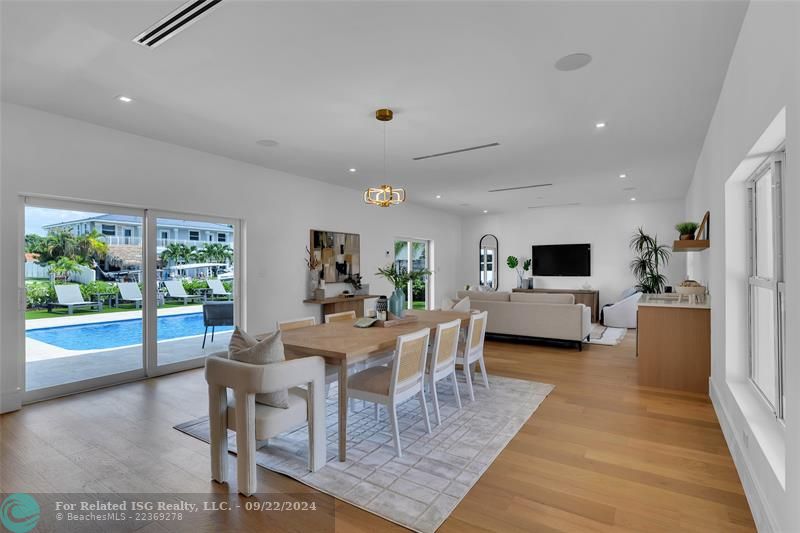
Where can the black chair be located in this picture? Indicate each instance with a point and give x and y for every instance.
(216, 314)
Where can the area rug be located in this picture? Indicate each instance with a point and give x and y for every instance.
(420, 489)
(606, 336)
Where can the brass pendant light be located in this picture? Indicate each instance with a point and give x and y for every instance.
(384, 195)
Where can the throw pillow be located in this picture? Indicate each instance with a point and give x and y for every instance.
(462, 305)
(247, 349)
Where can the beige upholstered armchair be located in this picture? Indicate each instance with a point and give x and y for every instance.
(254, 421)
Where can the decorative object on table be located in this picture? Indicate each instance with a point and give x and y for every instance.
(694, 291)
(586, 286)
(319, 294)
(381, 308)
(392, 320)
(365, 322)
(650, 257)
(358, 287)
(384, 195)
(488, 273)
(347, 294)
(686, 230)
(371, 313)
(339, 254)
(400, 277)
(513, 263)
(314, 266)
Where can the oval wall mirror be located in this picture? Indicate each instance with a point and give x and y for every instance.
(488, 271)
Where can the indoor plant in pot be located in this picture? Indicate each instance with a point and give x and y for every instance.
(650, 257)
(513, 263)
(313, 264)
(687, 230)
(400, 278)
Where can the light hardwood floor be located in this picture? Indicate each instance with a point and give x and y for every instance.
(600, 454)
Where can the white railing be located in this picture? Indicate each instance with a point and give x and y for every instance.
(116, 240)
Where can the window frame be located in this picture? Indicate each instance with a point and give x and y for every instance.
(196, 233)
(113, 230)
(776, 164)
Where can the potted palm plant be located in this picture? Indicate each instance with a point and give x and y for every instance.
(687, 230)
(650, 258)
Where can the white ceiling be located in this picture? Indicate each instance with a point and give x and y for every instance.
(310, 76)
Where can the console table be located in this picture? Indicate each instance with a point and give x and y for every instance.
(340, 304)
(588, 297)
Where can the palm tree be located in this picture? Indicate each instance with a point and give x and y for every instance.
(218, 253)
(59, 243)
(649, 257)
(173, 253)
(90, 246)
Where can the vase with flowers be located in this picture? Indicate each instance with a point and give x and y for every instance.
(313, 263)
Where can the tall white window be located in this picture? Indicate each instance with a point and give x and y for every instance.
(766, 282)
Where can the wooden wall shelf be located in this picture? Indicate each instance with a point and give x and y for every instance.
(701, 238)
(691, 245)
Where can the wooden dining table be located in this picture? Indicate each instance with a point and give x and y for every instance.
(342, 344)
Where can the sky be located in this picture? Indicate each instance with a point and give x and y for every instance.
(36, 217)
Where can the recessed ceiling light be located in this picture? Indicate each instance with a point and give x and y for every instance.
(623, 176)
(352, 169)
(633, 199)
(600, 125)
(126, 99)
(573, 62)
(267, 143)
(438, 196)
(485, 211)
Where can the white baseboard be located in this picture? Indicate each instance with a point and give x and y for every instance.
(10, 401)
(759, 507)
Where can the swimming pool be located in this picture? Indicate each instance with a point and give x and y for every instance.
(103, 335)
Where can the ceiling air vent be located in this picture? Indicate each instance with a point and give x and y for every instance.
(554, 205)
(451, 152)
(523, 187)
(175, 22)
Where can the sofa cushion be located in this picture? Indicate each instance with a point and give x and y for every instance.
(485, 296)
(456, 305)
(542, 298)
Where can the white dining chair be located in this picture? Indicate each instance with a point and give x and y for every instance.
(392, 385)
(255, 421)
(443, 362)
(471, 351)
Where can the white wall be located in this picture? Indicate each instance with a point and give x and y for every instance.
(52, 155)
(608, 228)
(763, 77)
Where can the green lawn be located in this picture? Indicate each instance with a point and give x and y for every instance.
(62, 311)
(418, 305)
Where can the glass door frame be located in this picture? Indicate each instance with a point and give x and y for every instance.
(83, 385)
(429, 264)
(152, 367)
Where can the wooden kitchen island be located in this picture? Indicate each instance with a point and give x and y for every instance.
(674, 343)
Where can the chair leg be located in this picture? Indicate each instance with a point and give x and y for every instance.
(435, 399)
(392, 410)
(218, 426)
(468, 375)
(483, 372)
(246, 442)
(213, 328)
(455, 388)
(424, 407)
(204, 339)
(377, 412)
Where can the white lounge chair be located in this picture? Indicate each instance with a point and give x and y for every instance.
(176, 291)
(218, 289)
(130, 292)
(70, 296)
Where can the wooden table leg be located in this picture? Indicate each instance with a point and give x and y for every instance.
(342, 411)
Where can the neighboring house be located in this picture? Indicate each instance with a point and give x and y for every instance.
(127, 230)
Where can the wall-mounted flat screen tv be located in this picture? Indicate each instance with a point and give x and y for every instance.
(562, 260)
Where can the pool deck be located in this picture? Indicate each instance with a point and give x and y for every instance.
(48, 365)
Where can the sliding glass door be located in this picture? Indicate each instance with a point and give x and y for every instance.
(82, 277)
(195, 287)
(415, 256)
(114, 294)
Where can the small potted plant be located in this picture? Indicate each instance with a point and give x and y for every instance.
(355, 281)
(687, 230)
(400, 278)
(513, 263)
(313, 264)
